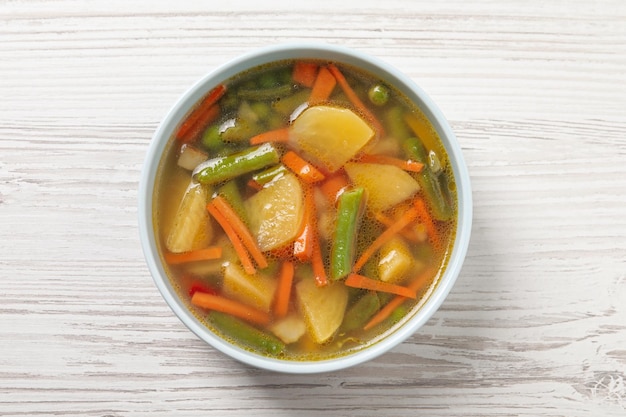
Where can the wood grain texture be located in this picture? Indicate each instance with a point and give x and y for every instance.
(536, 93)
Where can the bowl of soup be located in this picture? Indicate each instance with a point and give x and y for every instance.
(304, 208)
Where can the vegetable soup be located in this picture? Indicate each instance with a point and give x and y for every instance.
(304, 208)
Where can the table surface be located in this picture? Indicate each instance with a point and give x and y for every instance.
(536, 93)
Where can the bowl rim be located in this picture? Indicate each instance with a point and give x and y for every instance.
(313, 50)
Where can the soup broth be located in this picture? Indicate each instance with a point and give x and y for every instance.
(303, 209)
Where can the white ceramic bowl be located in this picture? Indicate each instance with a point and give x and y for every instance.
(314, 51)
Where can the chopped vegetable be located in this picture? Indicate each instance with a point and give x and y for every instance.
(304, 242)
(229, 191)
(243, 332)
(268, 93)
(201, 116)
(198, 286)
(227, 167)
(275, 136)
(417, 233)
(333, 186)
(358, 314)
(232, 307)
(415, 285)
(323, 86)
(398, 129)
(323, 307)
(259, 179)
(427, 220)
(395, 261)
(302, 168)
(442, 209)
(422, 130)
(317, 262)
(363, 282)
(212, 252)
(386, 185)
(190, 157)
(289, 329)
(349, 212)
(191, 229)
(304, 73)
(404, 164)
(330, 136)
(238, 245)
(276, 212)
(283, 290)
(378, 95)
(253, 290)
(241, 229)
(407, 218)
(355, 100)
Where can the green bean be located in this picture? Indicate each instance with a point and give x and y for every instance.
(430, 184)
(270, 93)
(230, 192)
(211, 138)
(398, 314)
(361, 311)
(246, 334)
(349, 213)
(224, 168)
(269, 174)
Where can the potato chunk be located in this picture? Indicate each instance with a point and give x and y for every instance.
(330, 136)
(386, 185)
(395, 261)
(254, 290)
(276, 212)
(192, 228)
(323, 307)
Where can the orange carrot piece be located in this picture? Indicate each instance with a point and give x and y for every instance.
(303, 244)
(302, 168)
(407, 218)
(363, 282)
(323, 86)
(201, 115)
(254, 185)
(304, 73)
(212, 252)
(427, 220)
(407, 165)
(355, 100)
(321, 279)
(241, 229)
(283, 290)
(240, 249)
(333, 186)
(275, 136)
(228, 306)
(388, 221)
(386, 311)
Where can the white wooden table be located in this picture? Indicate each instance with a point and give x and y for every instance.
(536, 92)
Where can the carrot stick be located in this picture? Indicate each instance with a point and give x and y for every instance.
(360, 281)
(254, 185)
(407, 165)
(354, 99)
(240, 249)
(241, 229)
(384, 312)
(302, 168)
(323, 86)
(212, 252)
(228, 306)
(321, 279)
(427, 220)
(201, 115)
(283, 290)
(303, 244)
(275, 136)
(407, 217)
(333, 186)
(409, 234)
(304, 73)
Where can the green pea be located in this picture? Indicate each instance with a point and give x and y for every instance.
(378, 95)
